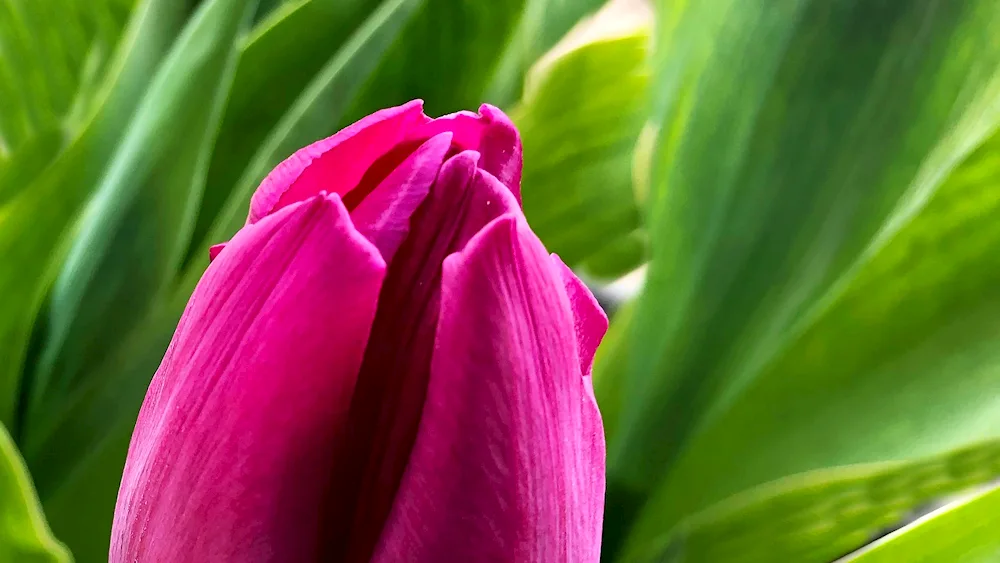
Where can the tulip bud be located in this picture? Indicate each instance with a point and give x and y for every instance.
(384, 364)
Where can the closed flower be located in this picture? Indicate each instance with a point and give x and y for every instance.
(384, 364)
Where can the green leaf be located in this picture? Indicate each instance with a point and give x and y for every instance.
(24, 534)
(768, 183)
(33, 222)
(610, 364)
(280, 57)
(135, 231)
(963, 532)
(900, 363)
(47, 50)
(582, 111)
(542, 24)
(29, 160)
(445, 55)
(820, 515)
(617, 257)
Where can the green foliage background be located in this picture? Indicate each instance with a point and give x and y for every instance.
(811, 189)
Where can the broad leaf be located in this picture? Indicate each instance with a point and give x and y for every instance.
(582, 111)
(768, 182)
(904, 356)
(33, 222)
(963, 532)
(49, 54)
(136, 229)
(542, 24)
(24, 535)
(817, 516)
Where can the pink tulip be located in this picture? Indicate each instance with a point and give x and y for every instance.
(383, 365)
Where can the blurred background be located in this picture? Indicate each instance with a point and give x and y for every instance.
(789, 208)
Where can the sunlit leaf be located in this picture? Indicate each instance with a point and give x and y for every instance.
(49, 51)
(771, 182)
(542, 24)
(583, 108)
(818, 516)
(24, 534)
(904, 357)
(963, 532)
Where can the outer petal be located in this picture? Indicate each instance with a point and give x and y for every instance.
(501, 149)
(234, 446)
(491, 134)
(590, 320)
(508, 464)
(335, 164)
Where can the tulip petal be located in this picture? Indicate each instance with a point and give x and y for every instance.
(335, 164)
(383, 215)
(501, 149)
(590, 320)
(508, 464)
(215, 250)
(241, 425)
(491, 134)
(390, 392)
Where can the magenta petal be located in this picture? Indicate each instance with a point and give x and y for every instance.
(243, 421)
(491, 134)
(383, 216)
(466, 127)
(508, 464)
(215, 250)
(393, 379)
(501, 149)
(591, 322)
(335, 164)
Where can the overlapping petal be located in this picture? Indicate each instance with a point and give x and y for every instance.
(245, 419)
(508, 463)
(395, 371)
(391, 386)
(335, 164)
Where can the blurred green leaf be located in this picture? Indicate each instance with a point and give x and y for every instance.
(820, 515)
(47, 50)
(24, 535)
(788, 139)
(127, 250)
(445, 55)
(610, 364)
(135, 231)
(963, 532)
(543, 23)
(901, 363)
(29, 160)
(617, 257)
(132, 234)
(280, 57)
(582, 111)
(33, 222)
